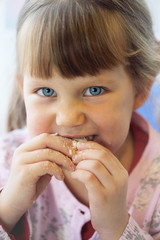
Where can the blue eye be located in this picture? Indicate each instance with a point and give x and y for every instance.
(47, 92)
(94, 91)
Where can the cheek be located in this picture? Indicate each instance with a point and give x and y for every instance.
(114, 125)
(37, 123)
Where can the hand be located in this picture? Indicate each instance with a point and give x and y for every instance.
(106, 182)
(33, 165)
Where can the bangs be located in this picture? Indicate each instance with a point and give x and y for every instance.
(72, 37)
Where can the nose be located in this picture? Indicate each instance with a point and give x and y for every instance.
(70, 115)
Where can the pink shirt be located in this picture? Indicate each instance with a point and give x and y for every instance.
(58, 215)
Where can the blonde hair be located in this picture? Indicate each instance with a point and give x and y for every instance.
(80, 37)
(17, 112)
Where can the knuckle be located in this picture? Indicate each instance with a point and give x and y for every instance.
(102, 154)
(96, 165)
(17, 158)
(52, 168)
(89, 177)
(44, 136)
(47, 164)
(48, 152)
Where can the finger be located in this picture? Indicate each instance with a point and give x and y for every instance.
(44, 140)
(96, 169)
(91, 183)
(40, 169)
(42, 183)
(47, 154)
(109, 161)
(93, 172)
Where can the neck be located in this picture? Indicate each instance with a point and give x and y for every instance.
(125, 154)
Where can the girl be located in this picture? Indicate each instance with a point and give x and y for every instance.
(85, 67)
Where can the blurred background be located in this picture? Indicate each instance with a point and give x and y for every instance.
(9, 10)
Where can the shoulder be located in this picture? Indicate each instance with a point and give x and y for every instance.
(8, 144)
(146, 175)
(13, 138)
(150, 159)
(10, 141)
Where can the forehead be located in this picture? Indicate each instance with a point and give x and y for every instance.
(112, 77)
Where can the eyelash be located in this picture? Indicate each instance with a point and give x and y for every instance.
(53, 93)
(40, 92)
(102, 90)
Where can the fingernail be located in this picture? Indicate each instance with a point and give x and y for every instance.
(80, 145)
(73, 167)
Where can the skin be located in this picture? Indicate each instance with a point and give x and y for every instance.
(99, 168)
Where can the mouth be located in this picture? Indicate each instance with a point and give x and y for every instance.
(73, 149)
(84, 139)
(78, 138)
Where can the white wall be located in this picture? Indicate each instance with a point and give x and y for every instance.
(8, 14)
(154, 6)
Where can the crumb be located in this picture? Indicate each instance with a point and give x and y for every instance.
(73, 150)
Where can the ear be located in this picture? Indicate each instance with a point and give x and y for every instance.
(140, 98)
(19, 80)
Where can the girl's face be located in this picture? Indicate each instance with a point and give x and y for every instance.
(99, 107)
